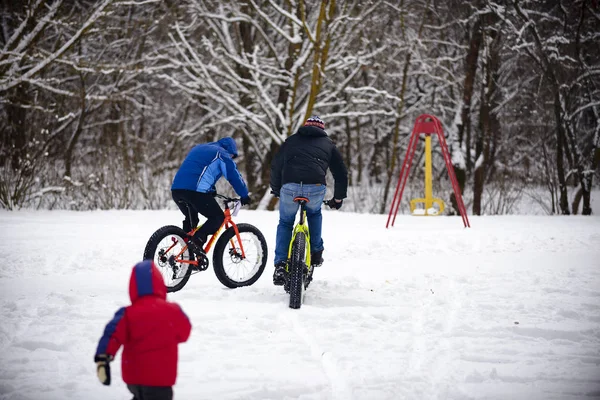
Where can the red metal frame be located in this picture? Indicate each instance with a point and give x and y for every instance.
(426, 124)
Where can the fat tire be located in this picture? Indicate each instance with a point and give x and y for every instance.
(296, 271)
(219, 251)
(155, 239)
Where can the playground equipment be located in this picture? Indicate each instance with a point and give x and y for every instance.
(426, 125)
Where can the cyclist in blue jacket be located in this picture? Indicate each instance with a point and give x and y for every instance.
(193, 187)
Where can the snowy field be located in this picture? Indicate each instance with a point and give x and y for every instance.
(509, 309)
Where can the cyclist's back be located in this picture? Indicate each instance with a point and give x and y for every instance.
(194, 186)
(300, 169)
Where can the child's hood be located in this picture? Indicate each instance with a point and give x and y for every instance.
(146, 280)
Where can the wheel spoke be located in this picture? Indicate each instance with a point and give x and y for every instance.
(240, 269)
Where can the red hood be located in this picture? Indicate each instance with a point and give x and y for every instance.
(146, 280)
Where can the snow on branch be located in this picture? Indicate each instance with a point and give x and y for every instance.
(136, 3)
(9, 83)
(27, 39)
(19, 31)
(264, 94)
(216, 92)
(583, 108)
(294, 39)
(286, 14)
(46, 190)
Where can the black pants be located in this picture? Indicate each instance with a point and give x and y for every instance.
(141, 392)
(191, 204)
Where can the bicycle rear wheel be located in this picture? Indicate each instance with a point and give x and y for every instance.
(231, 267)
(163, 247)
(297, 270)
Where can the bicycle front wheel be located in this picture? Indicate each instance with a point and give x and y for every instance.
(234, 269)
(164, 248)
(297, 268)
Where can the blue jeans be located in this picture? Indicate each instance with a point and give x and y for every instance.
(287, 216)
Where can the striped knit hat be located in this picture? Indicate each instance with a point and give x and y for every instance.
(315, 121)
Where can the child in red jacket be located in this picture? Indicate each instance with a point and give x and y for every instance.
(149, 330)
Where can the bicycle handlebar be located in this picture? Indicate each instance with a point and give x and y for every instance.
(234, 199)
(227, 198)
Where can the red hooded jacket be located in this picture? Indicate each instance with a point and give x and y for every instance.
(149, 330)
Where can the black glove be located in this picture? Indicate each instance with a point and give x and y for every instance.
(103, 368)
(274, 193)
(335, 204)
(213, 193)
(245, 200)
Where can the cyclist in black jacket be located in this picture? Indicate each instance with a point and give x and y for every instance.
(299, 169)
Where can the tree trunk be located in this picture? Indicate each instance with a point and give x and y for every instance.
(360, 153)
(374, 162)
(489, 125)
(480, 156)
(78, 129)
(266, 171)
(576, 201)
(348, 152)
(560, 168)
(587, 179)
(321, 51)
(464, 128)
(550, 177)
(15, 130)
(253, 176)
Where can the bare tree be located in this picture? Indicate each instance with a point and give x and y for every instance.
(101, 100)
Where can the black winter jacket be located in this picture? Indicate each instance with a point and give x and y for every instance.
(305, 157)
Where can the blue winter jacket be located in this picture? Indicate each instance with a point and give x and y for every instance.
(206, 163)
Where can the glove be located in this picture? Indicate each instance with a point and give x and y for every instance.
(103, 368)
(335, 204)
(274, 193)
(245, 200)
(213, 193)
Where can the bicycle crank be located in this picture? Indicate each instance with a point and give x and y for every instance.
(202, 265)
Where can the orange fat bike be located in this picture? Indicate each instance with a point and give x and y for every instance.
(239, 256)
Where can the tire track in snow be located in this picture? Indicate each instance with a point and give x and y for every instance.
(432, 324)
(340, 390)
(440, 379)
(418, 321)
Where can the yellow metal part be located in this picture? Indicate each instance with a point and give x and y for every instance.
(301, 228)
(429, 200)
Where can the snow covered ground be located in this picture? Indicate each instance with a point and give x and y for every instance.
(509, 309)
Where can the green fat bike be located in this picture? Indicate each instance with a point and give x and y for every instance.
(299, 267)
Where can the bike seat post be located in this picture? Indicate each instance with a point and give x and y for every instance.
(302, 201)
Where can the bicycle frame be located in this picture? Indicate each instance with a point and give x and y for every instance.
(301, 226)
(227, 223)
